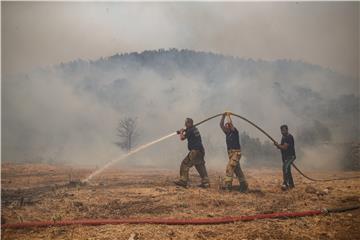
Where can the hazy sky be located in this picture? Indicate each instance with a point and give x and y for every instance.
(38, 34)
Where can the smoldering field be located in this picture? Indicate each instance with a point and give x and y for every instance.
(68, 113)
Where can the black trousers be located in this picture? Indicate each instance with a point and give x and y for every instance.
(287, 176)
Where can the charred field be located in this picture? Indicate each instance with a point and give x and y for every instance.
(40, 192)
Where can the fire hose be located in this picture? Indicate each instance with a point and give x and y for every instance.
(172, 221)
(98, 171)
(274, 141)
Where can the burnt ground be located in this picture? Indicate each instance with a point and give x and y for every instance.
(34, 192)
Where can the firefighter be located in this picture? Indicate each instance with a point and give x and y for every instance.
(234, 153)
(287, 148)
(195, 157)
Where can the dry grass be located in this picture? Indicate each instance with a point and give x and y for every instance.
(38, 192)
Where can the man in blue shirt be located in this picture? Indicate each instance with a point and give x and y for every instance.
(287, 148)
(195, 156)
(234, 153)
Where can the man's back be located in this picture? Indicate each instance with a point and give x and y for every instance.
(194, 139)
(232, 139)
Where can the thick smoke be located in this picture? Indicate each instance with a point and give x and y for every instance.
(69, 113)
(45, 120)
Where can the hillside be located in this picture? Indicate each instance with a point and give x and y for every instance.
(69, 111)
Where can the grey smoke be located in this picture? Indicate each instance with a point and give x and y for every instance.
(69, 113)
(59, 109)
(43, 33)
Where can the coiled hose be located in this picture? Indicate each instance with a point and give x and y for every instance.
(274, 141)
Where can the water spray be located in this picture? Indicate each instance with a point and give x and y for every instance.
(100, 170)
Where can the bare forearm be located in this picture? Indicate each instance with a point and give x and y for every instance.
(282, 146)
(222, 122)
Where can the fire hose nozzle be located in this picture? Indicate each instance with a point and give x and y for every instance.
(180, 131)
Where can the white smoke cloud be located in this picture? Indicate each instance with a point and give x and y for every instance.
(44, 119)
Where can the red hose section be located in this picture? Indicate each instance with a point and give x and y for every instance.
(166, 221)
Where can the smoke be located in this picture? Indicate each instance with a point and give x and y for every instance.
(323, 33)
(69, 113)
(323, 157)
(44, 119)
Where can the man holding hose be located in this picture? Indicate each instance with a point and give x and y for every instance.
(287, 148)
(234, 153)
(195, 157)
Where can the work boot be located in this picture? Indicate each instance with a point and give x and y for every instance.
(181, 183)
(204, 185)
(284, 187)
(228, 187)
(243, 187)
(291, 184)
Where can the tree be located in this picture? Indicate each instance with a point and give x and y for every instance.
(128, 133)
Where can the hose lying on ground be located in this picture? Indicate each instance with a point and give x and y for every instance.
(274, 141)
(171, 221)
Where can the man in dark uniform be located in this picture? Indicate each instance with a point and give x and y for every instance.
(287, 148)
(195, 157)
(234, 153)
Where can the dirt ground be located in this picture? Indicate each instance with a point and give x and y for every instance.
(34, 192)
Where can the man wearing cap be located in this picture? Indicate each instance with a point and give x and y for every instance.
(195, 156)
(234, 153)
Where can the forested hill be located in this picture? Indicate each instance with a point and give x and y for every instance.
(79, 103)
